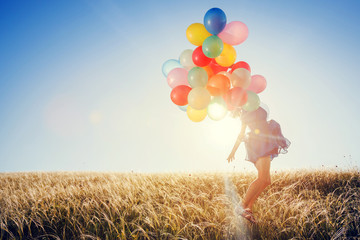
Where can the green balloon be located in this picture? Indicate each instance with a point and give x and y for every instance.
(217, 108)
(212, 46)
(197, 77)
(253, 102)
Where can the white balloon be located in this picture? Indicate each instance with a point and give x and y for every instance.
(186, 59)
(240, 77)
(199, 98)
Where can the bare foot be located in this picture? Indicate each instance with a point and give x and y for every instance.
(248, 215)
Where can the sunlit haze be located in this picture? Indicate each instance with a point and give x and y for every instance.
(82, 87)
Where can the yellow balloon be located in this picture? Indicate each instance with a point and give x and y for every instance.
(199, 98)
(196, 115)
(196, 33)
(227, 56)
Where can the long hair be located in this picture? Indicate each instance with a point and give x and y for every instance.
(238, 111)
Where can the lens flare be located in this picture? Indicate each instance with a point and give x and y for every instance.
(217, 109)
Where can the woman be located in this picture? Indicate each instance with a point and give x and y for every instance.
(264, 142)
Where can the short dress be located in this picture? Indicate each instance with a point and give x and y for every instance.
(265, 137)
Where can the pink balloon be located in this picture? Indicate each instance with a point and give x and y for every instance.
(177, 76)
(234, 33)
(257, 84)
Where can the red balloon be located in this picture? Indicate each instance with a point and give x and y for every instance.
(218, 85)
(240, 64)
(238, 96)
(227, 99)
(199, 57)
(180, 94)
(216, 67)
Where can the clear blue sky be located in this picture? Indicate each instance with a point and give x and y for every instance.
(82, 88)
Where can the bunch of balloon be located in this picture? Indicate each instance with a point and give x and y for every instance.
(206, 81)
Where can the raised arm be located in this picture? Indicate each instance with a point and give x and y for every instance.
(237, 143)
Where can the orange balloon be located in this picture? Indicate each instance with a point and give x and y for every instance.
(209, 71)
(226, 74)
(218, 85)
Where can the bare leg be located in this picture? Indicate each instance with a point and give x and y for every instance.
(252, 191)
(267, 182)
(257, 186)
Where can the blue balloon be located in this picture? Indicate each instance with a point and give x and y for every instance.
(215, 20)
(183, 108)
(170, 65)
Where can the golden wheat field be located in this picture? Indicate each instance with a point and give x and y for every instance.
(306, 204)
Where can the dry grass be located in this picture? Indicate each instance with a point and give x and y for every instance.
(298, 205)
